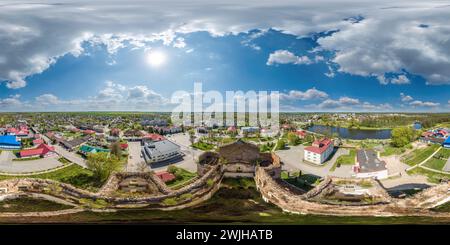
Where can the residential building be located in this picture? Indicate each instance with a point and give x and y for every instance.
(161, 151)
(42, 150)
(368, 165)
(446, 143)
(9, 142)
(319, 151)
(249, 130)
(165, 176)
(86, 149)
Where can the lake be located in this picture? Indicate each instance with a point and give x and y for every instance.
(352, 133)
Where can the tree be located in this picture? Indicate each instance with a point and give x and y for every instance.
(402, 136)
(281, 144)
(102, 164)
(116, 150)
(293, 139)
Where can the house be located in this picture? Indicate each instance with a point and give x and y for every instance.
(42, 150)
(88, 132)
(37, 142)
(123, 146)
(114, 132)
(231, 129)
(133, 135)
(153, 137)
(319, 151)
(300, 133)
(165, 176)
(86, 149)
(9, 142)
(72, 144)
(21, 132)
(267, 132)
(369, 166)
(168, 130)
(160, 151)
(249, 130)
(446, 143)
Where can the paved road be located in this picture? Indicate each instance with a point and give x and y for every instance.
(134, 158)
(293, 161)
(7, 165)
(71, 156)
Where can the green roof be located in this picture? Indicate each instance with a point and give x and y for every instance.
(91, 149)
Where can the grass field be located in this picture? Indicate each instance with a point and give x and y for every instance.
(182, 176)
(431, 176)
(417, 156)
(435, 163)
(345, 159)
(73, 174)
(27, 204)
(390, 150)
(203, 146)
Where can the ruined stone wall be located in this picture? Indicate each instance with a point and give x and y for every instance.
(70, 193)
(289, 201)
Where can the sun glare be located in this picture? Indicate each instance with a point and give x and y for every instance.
(156, 58)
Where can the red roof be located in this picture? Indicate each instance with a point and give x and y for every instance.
(41, 150)
(154, 137)
(319, 146)
(88, 131)
(427, 134)
(300, 133)
(37, 141)
(165, 176)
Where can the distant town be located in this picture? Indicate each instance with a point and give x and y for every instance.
(358, 163)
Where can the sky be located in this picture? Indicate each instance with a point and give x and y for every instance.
(362, 56)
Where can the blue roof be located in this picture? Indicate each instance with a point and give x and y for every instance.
(447, 141)
(9, 140)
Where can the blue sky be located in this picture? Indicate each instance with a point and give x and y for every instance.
(329, 69)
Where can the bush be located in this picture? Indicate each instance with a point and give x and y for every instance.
(170, 202)
(210, 182)
(185, 196)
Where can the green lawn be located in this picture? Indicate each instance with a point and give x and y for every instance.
(302, 181)
(390, 150)
(417, 156)
(345, 160)
(203, 146)
(435, 163)
(73, 174)
(431, 176)
(182, 177)
(27, 204)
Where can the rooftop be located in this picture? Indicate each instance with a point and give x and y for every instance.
(368, 161)
(319, 146)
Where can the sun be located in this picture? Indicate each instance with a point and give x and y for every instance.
(156, 58)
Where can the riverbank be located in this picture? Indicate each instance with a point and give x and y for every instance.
(345, 125)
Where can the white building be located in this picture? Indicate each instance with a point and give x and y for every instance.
(160, 151)
(319, 151)
(369, 166)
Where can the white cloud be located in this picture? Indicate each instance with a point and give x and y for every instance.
(401, 79)
(390, 41)
(286, 57)
(405, 98)
(47, 99)
(33, 36)
(310, 94)
(114, 96)
(418, 103)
